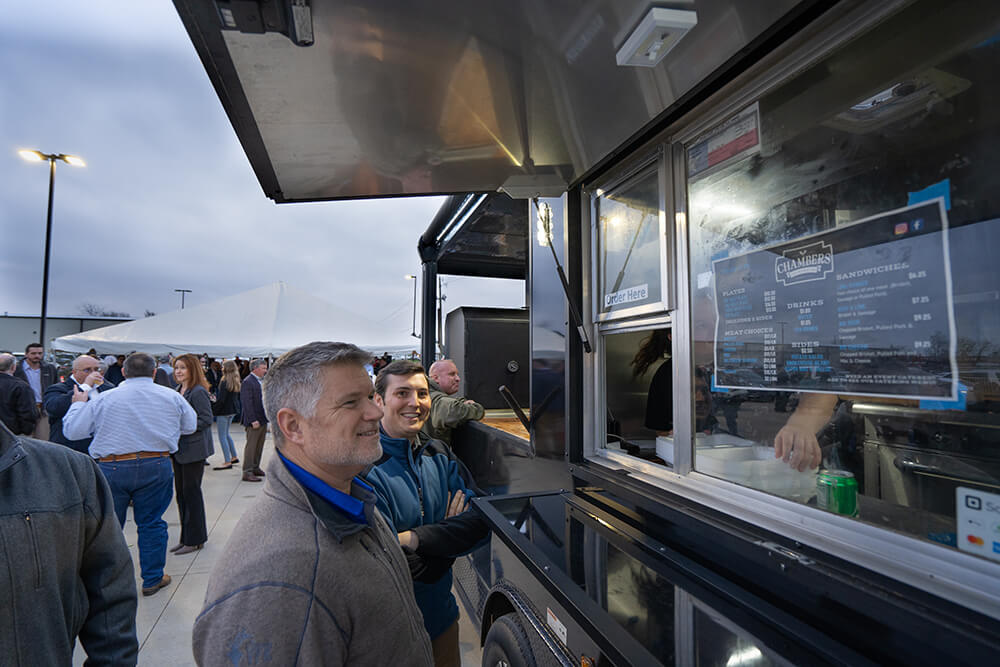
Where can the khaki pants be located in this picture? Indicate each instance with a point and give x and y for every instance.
(445, 648)
(254, 447)
(42, 426)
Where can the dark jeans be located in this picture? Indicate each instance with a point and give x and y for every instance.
(190, 503)
(254, 447)
(146, 483)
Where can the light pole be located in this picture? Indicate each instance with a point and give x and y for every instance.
(414, 331)
(38, 156)
(183, 292)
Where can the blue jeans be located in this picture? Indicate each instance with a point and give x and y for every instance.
(148, 483)
(222, 422)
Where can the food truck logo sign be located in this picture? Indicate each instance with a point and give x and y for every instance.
(803, 264)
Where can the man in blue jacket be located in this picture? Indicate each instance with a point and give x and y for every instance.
(59, 396)
(423, 491)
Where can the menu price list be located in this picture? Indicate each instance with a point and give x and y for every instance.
(861, 309)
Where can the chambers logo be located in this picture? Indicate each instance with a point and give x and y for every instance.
(805, 263)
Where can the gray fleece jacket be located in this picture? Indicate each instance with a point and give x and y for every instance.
(300, 583)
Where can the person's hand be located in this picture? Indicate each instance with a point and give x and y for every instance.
(255, 424)
(79, 395)
(94, 379)
(409, 540)
(798, 447)
(457, 503)
(469, 401)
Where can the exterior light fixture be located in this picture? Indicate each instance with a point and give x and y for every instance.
(658, 32)
(51, 158)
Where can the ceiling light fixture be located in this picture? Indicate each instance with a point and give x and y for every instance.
(658, 32)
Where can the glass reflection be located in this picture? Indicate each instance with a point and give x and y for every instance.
(876, 355)
(629, 246)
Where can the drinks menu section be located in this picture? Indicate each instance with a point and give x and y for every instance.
(861, 309)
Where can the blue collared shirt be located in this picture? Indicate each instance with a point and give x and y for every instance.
(349, 505)
(34, 376)
(135, 416)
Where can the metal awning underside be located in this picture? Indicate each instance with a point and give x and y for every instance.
(396, 97)
(484, 235)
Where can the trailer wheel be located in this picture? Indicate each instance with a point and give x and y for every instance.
(507, 644)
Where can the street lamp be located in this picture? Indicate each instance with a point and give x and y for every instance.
(183, 292)
(414, 279)
(38, 156)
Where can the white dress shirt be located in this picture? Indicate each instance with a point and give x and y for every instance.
(136, 416)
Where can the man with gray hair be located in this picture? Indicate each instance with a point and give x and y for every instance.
(254, 420)
(313, 574)
(17, 401)
(135, 429)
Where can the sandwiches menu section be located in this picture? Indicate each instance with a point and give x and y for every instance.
(865, 308)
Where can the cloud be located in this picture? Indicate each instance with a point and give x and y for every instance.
(168, 199)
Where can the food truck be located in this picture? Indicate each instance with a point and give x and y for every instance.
(750, 411)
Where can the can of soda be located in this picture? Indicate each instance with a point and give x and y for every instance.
(837, 491)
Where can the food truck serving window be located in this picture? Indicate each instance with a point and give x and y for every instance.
(844, 287)
(631, 246)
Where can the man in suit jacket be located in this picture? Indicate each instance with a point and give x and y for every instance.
(17, 402)
(39, 375)
(59, 396)
(254, 420)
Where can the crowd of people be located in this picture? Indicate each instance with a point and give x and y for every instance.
(364, 511)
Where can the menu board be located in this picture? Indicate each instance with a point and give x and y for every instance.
(861, 309)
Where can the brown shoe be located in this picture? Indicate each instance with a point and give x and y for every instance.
(250, 477)
(177, 547)
(163, 583)
(188, 549)
(259, 472)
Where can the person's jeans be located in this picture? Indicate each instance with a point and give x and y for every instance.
(148, 484)
(228, 448)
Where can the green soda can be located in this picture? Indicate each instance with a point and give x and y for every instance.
(837, 491)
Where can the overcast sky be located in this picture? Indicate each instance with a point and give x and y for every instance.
(168, 199)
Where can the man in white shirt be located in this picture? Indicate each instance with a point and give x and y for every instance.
(135, 428)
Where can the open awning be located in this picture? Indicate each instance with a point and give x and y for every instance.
(338, 99)
(484, 235)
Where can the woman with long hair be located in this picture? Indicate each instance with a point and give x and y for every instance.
(660, 397)
(192, 450)
(227, 404)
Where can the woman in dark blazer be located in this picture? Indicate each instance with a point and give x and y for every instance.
(192, 450)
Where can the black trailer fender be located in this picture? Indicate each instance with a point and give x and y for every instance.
(505, 599)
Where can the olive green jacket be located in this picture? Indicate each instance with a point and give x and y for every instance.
(448, 412)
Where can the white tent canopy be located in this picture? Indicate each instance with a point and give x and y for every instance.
(265, 321)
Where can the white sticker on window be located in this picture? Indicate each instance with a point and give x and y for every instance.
(556, 625)
(627, 295)
(704, 279)
(978, 518)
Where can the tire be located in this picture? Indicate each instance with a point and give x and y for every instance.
(507, 644)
